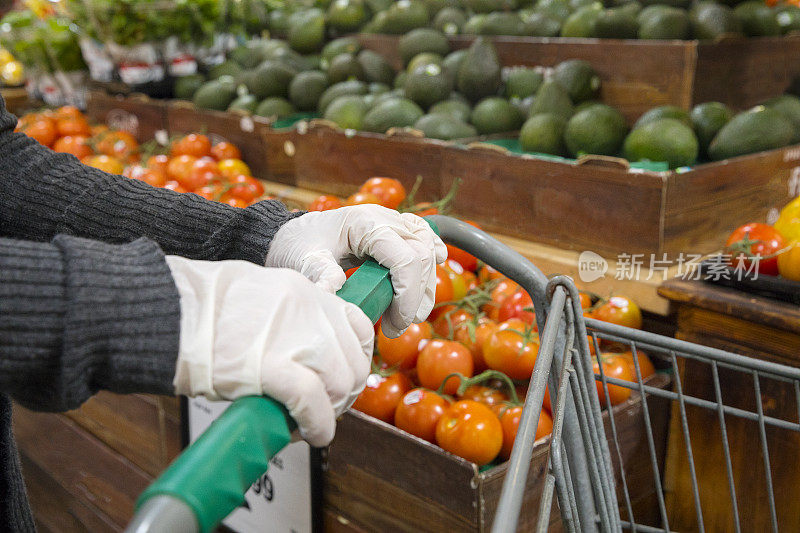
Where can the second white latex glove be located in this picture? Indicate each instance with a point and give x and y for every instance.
(322, 244)
(250, 330)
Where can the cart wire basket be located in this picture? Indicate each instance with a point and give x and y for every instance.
(586, 470)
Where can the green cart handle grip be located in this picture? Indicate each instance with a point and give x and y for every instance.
(212, 475)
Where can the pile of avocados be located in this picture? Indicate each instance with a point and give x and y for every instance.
(614, 19)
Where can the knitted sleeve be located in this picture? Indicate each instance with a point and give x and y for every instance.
(77, 316)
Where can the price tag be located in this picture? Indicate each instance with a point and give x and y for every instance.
(281, 499)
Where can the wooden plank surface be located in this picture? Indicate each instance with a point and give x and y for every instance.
(550, 259)
(88, 473)
(139, 115)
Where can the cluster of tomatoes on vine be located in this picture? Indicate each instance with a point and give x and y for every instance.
(190, 163)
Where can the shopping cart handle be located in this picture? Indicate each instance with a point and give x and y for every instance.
(212, 475)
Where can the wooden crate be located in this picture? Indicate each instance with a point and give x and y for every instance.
(382, 479)
(334, 161)
(639, 74)
(600, 204)
(139, 115)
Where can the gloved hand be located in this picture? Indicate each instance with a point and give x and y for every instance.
(250, 330)
(322, 244)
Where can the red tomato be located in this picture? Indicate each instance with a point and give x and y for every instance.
(620, 311)
(246, 188)
(512, 353)
(446, 323)
(382, 394)
(72, 126)
(752, 240)
(586, 300)
(456, 273)
(361, 198)
(180, 168)
(75, 145)
(43, 131)
(489, 396)
(504, 288)
(470, 430)
(424, 209)
(149, 176)
(390, 191)
(158, 162)
(517, 306)
(225, 150)
(106, 163)
(324, 203)
(403, 351)
(230, 168)
(193, 144)
(444, 291)
(470, 279)
(210, 192)
(487, 273)
(440, 358)
(119, 144)
(68, 111)
(468, 261)
(510, 422)
(546, 403)
(474, 343)
(235, 202)
(646, 367)
(349, 272)
(203, 172)
(419, 411)
(618, 367)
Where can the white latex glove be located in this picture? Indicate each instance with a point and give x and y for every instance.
(322, 244)
(250, 330)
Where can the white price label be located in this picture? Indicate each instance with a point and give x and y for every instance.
(280, 500)
(794, 183)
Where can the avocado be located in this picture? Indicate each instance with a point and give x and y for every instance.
(307, 31)
(347, 15)
(583, 22)
(344, 67)
(552, 98)
(216, 94)
(246, 103)
(276, 107)
(186, 86)
(539, 25)
(707, 119)
(427, 85)
(788, 18)
(480, 73)
(501, 23)
(474, 25)
(578, 78)
(756, 130)
(404, 16)
(422, 40)
(445, 127)
(789, 106)
(392, 113)
(524, 105)
(649, 11)
(378, 88)
(271, 78)
(226, 68)
(452, 62)
(665, 139)
(342, 45)
(488, 6)
(248, 55)
(758, 19)
(425, 58)
(664, 111)
(683, 4)
(435, 6)
(455, 108)
(375, 67)
(377, 24)
(278, 23)
(495, 115)
(544, 134)
(616, 23)
(287, 57)
(347, 111)
(306, 89)
(400, 80)
(577, 4)
(377, 6)
(634, 8)
(340, 89)
(522, 82)
(450, 20)
(555, 9)
(710, 20)
(380, 98)
(667, 24)
(597, 129)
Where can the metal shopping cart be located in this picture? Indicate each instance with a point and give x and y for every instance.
(586, 471)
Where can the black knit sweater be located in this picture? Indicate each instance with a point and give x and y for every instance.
(87, 301)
